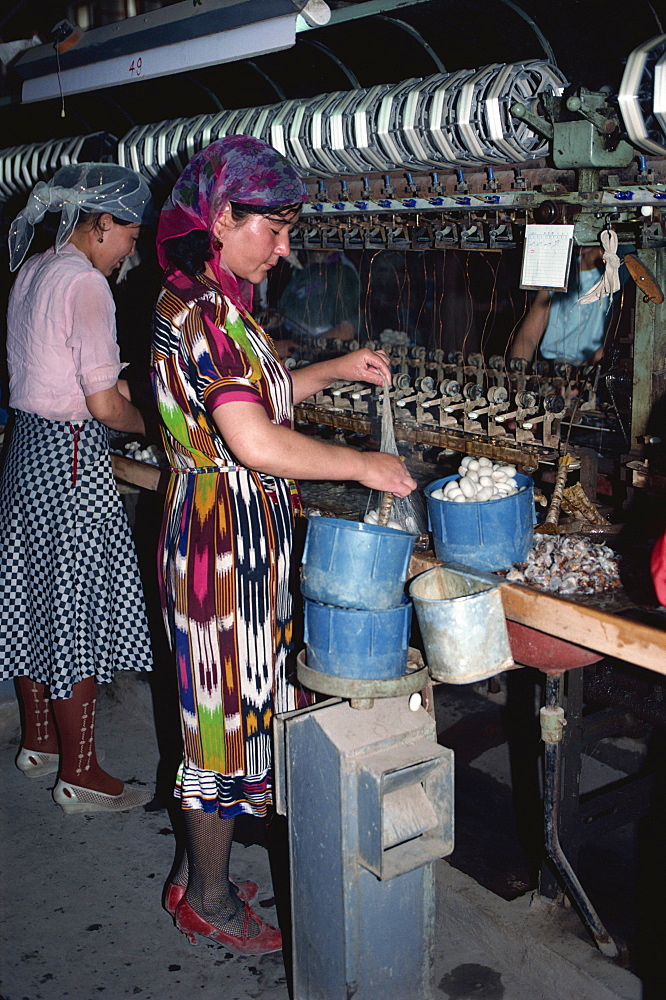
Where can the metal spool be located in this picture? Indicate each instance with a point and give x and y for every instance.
(642, 96)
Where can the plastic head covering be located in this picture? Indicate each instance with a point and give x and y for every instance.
(87, 187)
(237, 168)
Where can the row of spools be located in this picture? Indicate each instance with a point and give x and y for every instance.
(453, 119)
(358, 618)
(448, 119)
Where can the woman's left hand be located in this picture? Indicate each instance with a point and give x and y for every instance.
(363, 366)
(356, 366)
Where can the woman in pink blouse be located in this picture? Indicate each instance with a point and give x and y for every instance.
(71, 604)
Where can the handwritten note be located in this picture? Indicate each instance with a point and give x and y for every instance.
(546, 257)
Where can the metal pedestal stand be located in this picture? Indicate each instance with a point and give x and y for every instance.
(369, 801)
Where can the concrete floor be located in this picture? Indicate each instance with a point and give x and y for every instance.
(81, 912)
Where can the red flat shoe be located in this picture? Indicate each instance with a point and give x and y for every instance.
(263, 941)
(174, 892)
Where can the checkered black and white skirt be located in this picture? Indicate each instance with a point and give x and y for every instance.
(71, 602)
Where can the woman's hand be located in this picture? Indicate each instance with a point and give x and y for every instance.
(260, 444)
(362, 366)
(356, 366)
(387, 474)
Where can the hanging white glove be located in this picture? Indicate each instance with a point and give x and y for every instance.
(609, 282)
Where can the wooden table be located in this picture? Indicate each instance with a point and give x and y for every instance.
(573, 621)
(563, 617)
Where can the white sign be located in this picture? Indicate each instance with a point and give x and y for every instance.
(546, 257)
(244, 42)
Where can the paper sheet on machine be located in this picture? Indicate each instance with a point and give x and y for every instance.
(546, 257)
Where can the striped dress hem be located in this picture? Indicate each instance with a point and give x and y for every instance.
(211, 792)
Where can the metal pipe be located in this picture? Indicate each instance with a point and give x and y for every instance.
(545, 44)
(411, 30)
(351, 76)
(552, 723)
(269, 79)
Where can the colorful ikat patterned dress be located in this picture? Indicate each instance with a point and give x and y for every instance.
(225, 548)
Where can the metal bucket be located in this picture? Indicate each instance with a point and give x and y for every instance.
(354, 565)
(462, 625)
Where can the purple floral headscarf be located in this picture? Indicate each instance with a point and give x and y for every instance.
(237, 168)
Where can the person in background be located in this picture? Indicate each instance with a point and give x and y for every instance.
(71, 603)
(226, 402)
(560, 327)
(321, 299)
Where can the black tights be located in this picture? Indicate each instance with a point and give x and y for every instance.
(205, 870)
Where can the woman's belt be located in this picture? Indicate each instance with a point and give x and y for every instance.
(205, 469)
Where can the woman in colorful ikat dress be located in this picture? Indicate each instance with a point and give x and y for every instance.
(227, 403)
(71, 603)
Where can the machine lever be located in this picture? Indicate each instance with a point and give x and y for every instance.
(644, 279)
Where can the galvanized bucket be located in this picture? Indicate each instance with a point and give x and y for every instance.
(462, 625)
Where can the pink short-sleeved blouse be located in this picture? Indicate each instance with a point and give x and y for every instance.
(61, 336)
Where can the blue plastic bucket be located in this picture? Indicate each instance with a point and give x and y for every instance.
(348, 642)
(355, 565)
(489, 534)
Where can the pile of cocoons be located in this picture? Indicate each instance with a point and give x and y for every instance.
(152, 455)
(372, 517)
(480, 479)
